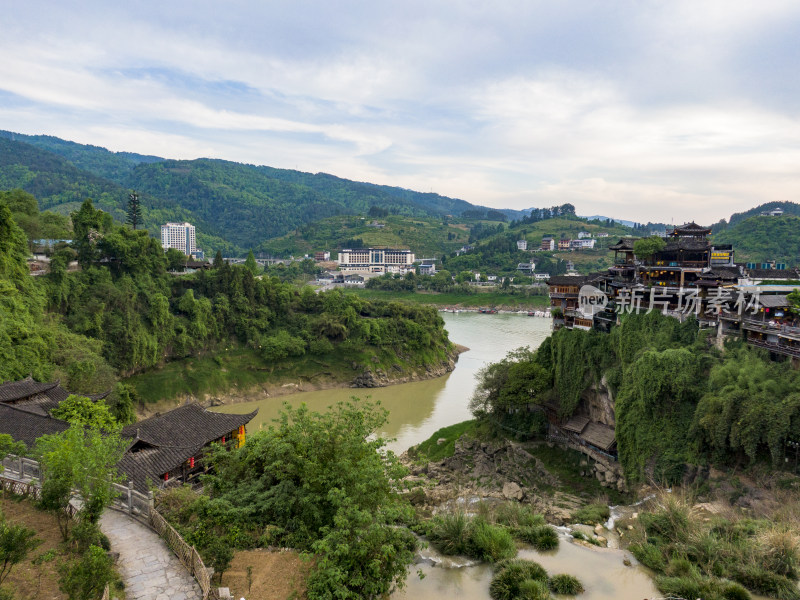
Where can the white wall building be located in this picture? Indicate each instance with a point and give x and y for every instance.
(522, 244)
(180, 236)
(375, 260)
(585, 244)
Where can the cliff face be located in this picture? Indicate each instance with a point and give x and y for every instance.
(597, 403)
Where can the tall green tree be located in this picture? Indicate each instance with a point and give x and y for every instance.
(134, 216)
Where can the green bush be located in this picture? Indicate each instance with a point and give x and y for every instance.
(566, 584)
(532, 589)
(514, 514)
(449, 533)
(591, 514)
(511, 574)
(490, 542)
(86, 577)
(541, 537)
(648, 555)
(758, 579)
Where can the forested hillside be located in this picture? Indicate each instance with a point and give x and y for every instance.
(677, 399)
(234, 206)
(122, 312)
(762, 239)
(427, 236)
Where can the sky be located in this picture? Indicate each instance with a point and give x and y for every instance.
(663, 111)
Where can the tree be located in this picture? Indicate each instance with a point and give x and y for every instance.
(324, 483)
(79, 461)
(646, 248)
(218, 262)
(134, 218)
(84, 411)
(176, 260)
(16, 541)
(250, 263)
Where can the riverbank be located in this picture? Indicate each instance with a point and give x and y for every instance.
(506, 301)
(239, 375)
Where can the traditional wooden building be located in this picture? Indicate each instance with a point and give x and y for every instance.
(171, 447)
(36, 397)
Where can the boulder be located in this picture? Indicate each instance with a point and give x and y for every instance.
(441, 441)
(512, 491)
(598, 529)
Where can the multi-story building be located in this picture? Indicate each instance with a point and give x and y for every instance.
(548, 243)
(564, 244)
(522, 244)
(582, 244)
(179, 236)
(376, 260)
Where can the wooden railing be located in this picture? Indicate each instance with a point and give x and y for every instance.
(187, 554)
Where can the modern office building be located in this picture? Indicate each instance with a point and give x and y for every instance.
(180, 236)
(375, 260)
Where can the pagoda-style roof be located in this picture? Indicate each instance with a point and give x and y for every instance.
(577, 424)
(624, 244)
(691, 229)
(165, 442)
(722, 274)
(12, 391)
(770, 274)
(25, 426)
(571, 280)
(37, 397)
(777, 301)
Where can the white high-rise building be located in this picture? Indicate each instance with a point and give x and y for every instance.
(179, 236)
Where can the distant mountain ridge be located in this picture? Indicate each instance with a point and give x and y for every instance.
(236, 206)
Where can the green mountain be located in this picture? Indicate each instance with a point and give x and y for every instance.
(789, 208)
(60, 186)
(426, 236)
(234, 206)
(762, 239)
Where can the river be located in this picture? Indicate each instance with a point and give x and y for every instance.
(417, 410)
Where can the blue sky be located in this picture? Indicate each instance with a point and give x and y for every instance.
(645, 110)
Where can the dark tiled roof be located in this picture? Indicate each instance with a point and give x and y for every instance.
(37, 397)
(624, 244)
(187, 425)
(165, 442)
(576, 280)
(25, 426)
(17, 390)
(779, 301)
(722, 273)
(774, 273)
(692, 229)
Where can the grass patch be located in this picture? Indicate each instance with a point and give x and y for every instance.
(511, 579)
(585, 538)
(431, 450)
(569, 585)
(591, 514)
(471, 536)
(701, 558)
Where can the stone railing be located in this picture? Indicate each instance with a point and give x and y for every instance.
(136, 504)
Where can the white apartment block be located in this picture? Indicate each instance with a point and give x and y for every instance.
(180, 236)
(522, 244)
(375, 260)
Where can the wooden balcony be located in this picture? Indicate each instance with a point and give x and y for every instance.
(777, 348)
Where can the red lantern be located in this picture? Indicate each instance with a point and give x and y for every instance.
(166, 476)
(191, 462)
(223, 439)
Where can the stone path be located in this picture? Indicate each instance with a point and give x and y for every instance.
(148, 567)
